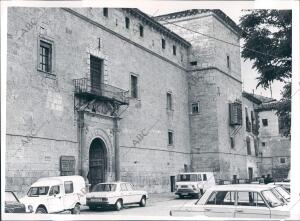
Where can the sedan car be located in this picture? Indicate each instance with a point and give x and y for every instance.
(237, 201)
(115, 194)
(12, 203)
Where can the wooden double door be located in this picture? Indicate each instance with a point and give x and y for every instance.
(97, 162)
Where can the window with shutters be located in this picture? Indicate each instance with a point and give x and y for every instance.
(235, 112)
(256, 147)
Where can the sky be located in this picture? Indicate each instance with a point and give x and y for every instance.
(234, 11)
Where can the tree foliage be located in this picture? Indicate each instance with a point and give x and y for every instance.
(268, 43)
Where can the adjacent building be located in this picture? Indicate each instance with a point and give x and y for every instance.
(113, 94)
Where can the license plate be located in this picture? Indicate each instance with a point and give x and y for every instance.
(184, 194)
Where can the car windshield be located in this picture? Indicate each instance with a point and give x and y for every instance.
(283, 192)
(104, 187)
(187, 177)
(10, 197)
(37, 191)
(271, 198)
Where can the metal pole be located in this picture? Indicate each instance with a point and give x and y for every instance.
(117, 148)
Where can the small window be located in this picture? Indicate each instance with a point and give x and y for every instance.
(123, 187)
(195, 108)
(174, 49)
(105, 12)
(193, 63)
(232, 142)
(141, 30)
(265, 122)
(170, 138)
(199, 177)
(282, 160)
(163, 43)
(204, 177)
(134, 86)
(69, 187)
(127, 22)
(45, 57)
(169, 101)
(228, 61)
(54, 190)
(263, 144)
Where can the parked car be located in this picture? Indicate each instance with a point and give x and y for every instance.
(12, 203)
(237, 201)
(193, 184)
(56, 194)
(115, 194)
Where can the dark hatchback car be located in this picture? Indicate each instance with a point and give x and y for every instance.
(12, 204)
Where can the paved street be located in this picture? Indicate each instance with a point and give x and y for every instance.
(157, 205)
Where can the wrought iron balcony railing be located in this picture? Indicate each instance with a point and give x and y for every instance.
(84, 86)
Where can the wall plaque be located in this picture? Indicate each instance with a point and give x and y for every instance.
(67, 165)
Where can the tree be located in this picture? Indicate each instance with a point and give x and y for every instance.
(267, 36)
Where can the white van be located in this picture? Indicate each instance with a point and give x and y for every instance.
(194, 183)
(56, 194)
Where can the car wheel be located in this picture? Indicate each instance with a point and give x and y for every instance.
(118, 205)
(41, 210)
(143, 202)
(76, 209)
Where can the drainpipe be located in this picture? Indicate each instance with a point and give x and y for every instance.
(80, 141)
(117, 148)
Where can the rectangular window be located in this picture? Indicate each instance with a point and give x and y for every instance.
(248, 123)
(170, 138)
(193, 63)
(204, 177)
(248, 146)
(54, 190)
(174, 50)
(163, 43)
(263, 144)
(256, 147)
(250, 199)
(169, 101)
(134, 86)
(228, 61)
(127, 22)
(282, 160)
(195, 108)
(265, 122)
(105, 12)
(232, 142)
(69, 187)
(141, 30)
(45, 58)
